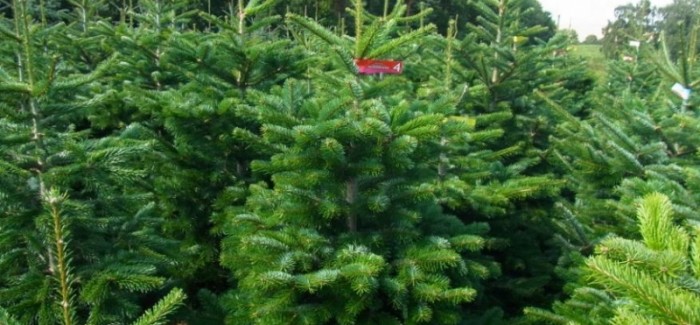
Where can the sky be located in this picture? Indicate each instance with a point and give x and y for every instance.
(587, 17)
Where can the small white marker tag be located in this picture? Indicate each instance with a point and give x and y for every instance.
(681, 91)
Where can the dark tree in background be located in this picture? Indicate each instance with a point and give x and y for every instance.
(645, 23)
(677, 22)
(633, 22)
(591, 39)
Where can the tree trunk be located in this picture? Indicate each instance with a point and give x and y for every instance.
(339, 6)
(350, 198)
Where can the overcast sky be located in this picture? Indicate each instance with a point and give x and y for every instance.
(587, 16)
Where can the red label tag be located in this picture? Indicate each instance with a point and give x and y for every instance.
(367, 66)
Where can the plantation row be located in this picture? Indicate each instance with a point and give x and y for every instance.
(161, 163)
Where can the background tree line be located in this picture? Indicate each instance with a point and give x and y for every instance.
(642, 22)
(327, 12)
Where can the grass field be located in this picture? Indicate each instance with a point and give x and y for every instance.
(593, 55)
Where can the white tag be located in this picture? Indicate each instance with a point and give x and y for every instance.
(635, 44)
(681, 91)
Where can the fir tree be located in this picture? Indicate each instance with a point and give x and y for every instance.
(632, 145)
(348, 230)
(183, 72)
(78, 238)
(503, 178)
(647, 281)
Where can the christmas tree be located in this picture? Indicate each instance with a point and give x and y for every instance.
(504, 178)
(79, 238)
(634, 143)
(649, 281)
(348, 229)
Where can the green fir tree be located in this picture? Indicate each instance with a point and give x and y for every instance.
(183, 73)
(649, 281)
(79, 239)
(633, 144)
(348, 229)
(504, 178)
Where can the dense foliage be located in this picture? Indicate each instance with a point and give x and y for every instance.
(224, 162)
(640, 21)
